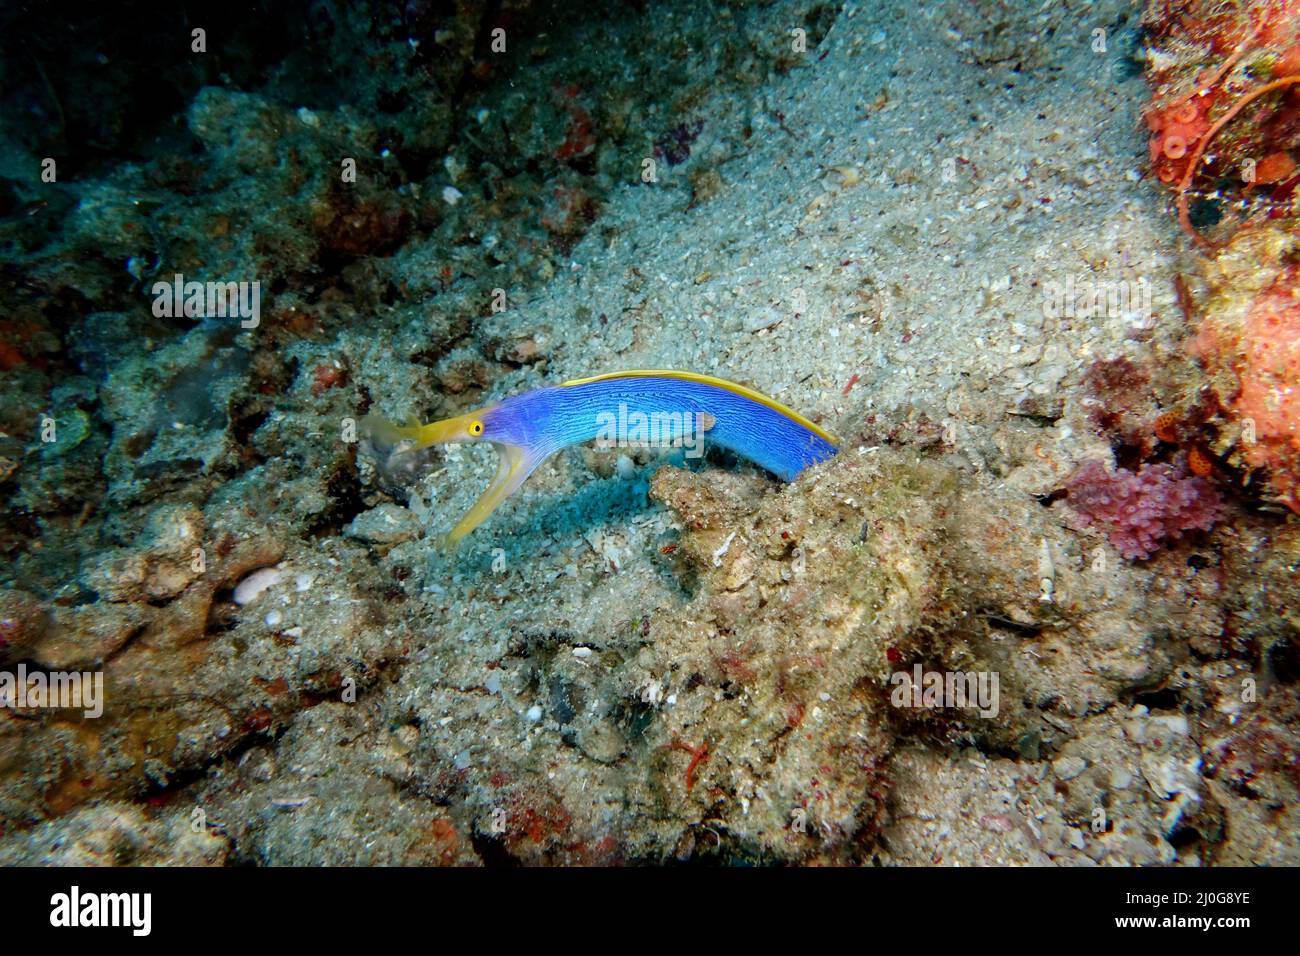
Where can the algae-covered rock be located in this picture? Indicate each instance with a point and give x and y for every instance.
(356, 807)
(386, 524)
(1251, 752)
(170, 414)
(118, 834)
(168, 557)
(24, 621)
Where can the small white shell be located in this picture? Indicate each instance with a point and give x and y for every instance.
(248, 589)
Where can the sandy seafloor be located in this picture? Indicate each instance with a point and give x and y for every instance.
(667, 666)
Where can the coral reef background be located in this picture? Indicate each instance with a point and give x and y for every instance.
(1004, 250)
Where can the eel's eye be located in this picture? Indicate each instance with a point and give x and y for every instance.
(476, 428)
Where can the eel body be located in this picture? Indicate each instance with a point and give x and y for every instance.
(655, 407)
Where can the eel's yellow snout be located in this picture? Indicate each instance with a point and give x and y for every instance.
(394, 442)
(460, 428)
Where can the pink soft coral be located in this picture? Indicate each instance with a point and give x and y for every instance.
(1140, 511)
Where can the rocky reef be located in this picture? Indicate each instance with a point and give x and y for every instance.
(1040, 607)
(1224, 119)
